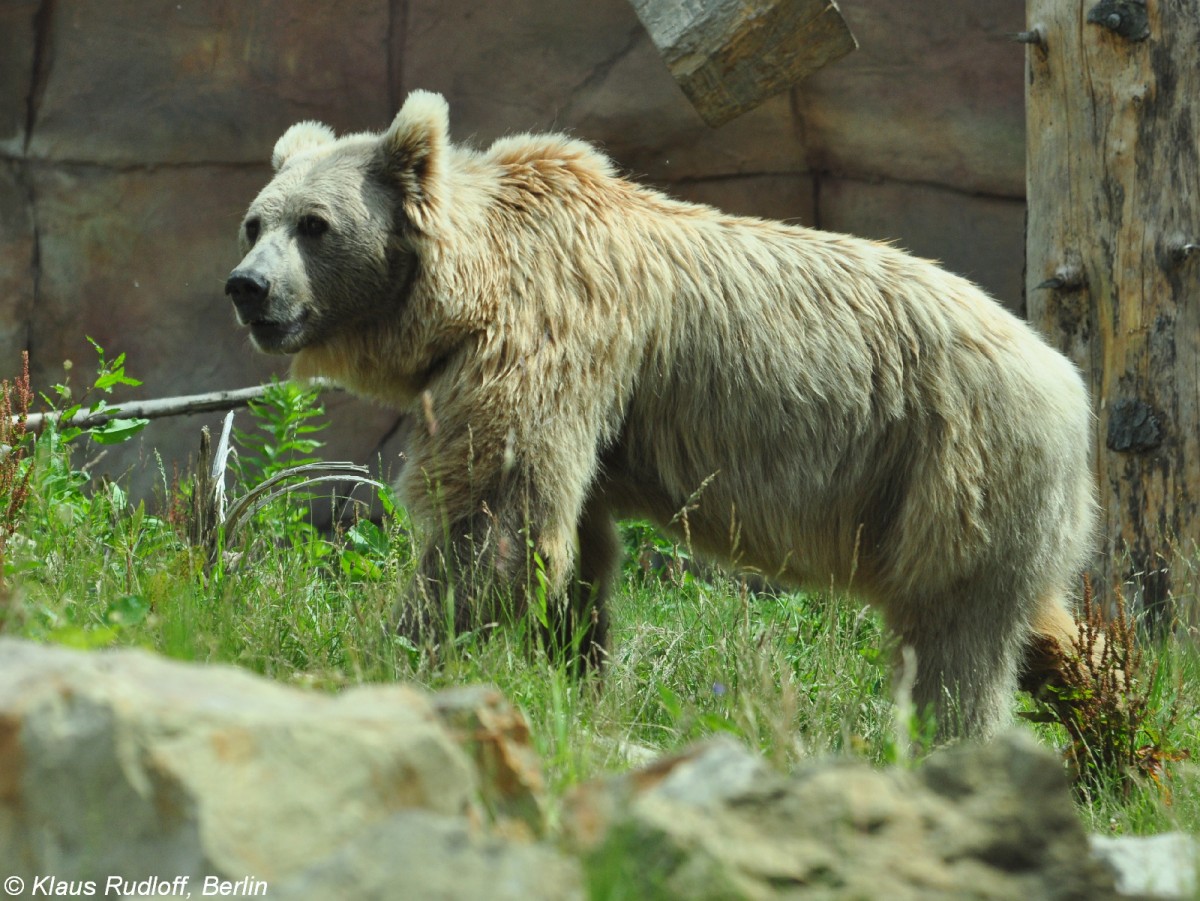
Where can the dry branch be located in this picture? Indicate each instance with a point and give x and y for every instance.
(213, 401)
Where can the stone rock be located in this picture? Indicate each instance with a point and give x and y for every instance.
(788, 197)
(701, 776)
(1156, 866)
(158, 246)
(416, 854)
(991, 822)
(125, 763)
(547, 50)
(496, 737)
(728, 59)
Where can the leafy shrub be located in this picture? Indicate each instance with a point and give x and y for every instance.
(1104, 695)
(64, 523)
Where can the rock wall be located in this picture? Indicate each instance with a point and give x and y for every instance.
(133, 135)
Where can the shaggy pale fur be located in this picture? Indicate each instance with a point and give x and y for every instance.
(578, 347)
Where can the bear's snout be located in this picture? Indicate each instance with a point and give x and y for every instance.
(248, 291)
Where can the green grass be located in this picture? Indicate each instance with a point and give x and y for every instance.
(795, 675)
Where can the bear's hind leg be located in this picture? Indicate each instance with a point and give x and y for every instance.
(966, 658)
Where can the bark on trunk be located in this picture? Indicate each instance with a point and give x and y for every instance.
(1113, 260)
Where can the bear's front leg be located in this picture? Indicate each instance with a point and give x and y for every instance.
(468, 578)
(494, 568)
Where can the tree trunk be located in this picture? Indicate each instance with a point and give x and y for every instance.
(1113, 261)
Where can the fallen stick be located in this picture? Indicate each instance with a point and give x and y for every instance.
(214, 401)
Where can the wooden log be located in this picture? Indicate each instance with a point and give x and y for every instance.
(1113, 259)
(731, 55)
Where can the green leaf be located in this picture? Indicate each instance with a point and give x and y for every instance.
(99, 349)
(367, 538)
(670, 702)
(359, 566)
(106, 381)
(117, 431)
(20, 567)
(714, 722)
(538, 605)
(118, 497)
(127, 610)
(386, 500)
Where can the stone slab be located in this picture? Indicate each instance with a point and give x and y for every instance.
(991, 821)
(154, 122)
(422, 855)
(1155, 866)
(134, 83)
(18, 48)
(18, 249)
(935, 93)
(728, 58)
(788, 197)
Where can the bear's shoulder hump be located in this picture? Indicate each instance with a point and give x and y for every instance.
(557, 150)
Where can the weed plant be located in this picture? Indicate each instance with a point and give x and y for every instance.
(693, 651)
(15, 472)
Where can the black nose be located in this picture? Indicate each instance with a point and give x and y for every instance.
(248, 291)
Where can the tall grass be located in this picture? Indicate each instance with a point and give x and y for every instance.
(693, 652)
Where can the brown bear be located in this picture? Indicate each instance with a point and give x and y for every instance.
(578, 347)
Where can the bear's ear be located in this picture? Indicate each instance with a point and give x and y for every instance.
(300, 137)
(413, 154)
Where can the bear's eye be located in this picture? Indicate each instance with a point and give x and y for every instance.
(252, 228)
(312, 226)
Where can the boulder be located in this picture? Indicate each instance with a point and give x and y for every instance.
(981, 238)
(133, 136)
(18, 48)
(989, 822)
(590, 69)
(1157, 866)
(496, 737)
(125, 763)
(106, 234)
(422, 855)
(935, 94)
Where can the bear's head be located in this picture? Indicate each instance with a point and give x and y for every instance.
(329, 245)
